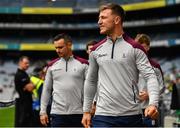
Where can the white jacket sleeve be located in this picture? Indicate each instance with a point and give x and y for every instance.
(90, 86)
(160, 80)
(47, 91)
(149, 75)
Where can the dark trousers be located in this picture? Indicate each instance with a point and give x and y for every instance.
(148, 122)
(117, 121)
(36, 119)
(23, 114)
(73, 120)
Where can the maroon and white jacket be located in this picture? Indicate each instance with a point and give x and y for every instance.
(65, 82)
(143, 85)
(113, 72)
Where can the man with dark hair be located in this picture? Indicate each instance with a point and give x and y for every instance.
(24, 87)
(65, 79)
(89, 45)
(114, 67)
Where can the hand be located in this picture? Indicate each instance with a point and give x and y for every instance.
(152, 112)
(143, 95)
(29, 87)
(44, 119)
(86, 120)
(93, 109)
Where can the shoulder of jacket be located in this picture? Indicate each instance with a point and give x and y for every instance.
(81, 60)
(155, 63)
(52, 62)
(133, 43)
(99, 44)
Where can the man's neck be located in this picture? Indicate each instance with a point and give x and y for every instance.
(115, 36)
(68, 56)
(118, 32)
(22, 69)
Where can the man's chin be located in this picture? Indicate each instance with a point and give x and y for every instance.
(102, 32)
(60, 56)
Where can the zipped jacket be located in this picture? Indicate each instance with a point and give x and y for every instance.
(65, 79)
(114, 69)
(143, 85)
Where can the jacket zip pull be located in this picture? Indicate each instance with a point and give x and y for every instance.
(112, 53)
(66, 65)
(134, 93)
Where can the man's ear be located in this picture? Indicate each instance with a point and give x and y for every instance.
(117, 20)
(148, 48)
(69, 44)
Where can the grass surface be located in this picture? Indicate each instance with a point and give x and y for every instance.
(7, 116)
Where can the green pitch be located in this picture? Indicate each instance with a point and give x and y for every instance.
(7, 116)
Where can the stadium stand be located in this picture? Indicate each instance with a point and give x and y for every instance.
(28, 26)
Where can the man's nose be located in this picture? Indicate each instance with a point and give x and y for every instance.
(58, 50)
(99, 21)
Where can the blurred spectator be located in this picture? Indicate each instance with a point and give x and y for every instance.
(24, 87)
(175, 100)
(37, 78)
(178, 99)
(173, 74)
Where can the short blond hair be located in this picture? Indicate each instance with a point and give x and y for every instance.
(116, 9)
(143, 39)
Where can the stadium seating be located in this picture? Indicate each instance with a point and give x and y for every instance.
(19, 27)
